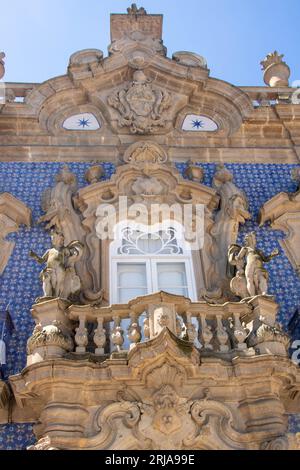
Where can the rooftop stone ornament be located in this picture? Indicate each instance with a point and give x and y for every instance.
(2, 65)
(276, 71)
(135, 11)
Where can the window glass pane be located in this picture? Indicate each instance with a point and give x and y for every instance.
(171, 277)
(132, 275)
(125, 295)
(132, 281)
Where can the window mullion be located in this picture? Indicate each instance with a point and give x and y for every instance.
(154, 275)
(149, 275)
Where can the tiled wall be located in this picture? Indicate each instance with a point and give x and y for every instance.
(20, 283)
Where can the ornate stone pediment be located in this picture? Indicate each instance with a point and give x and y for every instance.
(136, 90)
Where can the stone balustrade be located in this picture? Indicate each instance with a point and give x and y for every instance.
(260, 95)
(246, 328)
(17, 92)
(266, 97)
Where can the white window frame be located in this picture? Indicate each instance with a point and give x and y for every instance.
(150, 260)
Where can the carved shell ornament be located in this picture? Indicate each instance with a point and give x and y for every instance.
(147, 186)
(145, 153)
(141, 106)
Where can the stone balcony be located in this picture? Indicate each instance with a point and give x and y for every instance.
(246, 328)
(159, 373)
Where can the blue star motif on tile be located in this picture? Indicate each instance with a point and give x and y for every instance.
(84, 123)
(197, 124)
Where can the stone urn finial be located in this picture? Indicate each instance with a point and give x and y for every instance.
(276, 71)
(2, 65)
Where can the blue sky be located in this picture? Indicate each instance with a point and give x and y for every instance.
(38, 36)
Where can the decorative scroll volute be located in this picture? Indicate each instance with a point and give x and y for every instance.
(13, 213)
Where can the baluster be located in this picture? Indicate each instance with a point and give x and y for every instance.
(100, 338)
(81, 337)
(222, 335)
(240, 333)
(146, 325)
(179, 328)
(117, 335)
(134, 331)
(206, 334)
(190, 328)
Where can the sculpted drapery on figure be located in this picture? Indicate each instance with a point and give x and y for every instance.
(59, 276)
(251, 278)
(233, 212)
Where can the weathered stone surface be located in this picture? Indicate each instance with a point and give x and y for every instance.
(13, 213)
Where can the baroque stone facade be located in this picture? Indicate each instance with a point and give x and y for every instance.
(203, 364)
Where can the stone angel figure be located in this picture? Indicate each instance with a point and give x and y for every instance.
(59, 277)
(251, 277)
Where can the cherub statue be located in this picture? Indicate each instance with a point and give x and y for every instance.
(251, 278)
(59, 276)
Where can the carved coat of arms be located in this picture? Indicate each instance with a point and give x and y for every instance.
(141, 106)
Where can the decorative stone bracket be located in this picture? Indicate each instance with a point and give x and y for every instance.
(4, 395)
(13, 213)
(283, 211)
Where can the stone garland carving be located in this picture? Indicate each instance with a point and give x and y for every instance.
(251, 278)
(51, 335)
(269, 334)
(141, 106)
(266, 335)
(13, 213)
